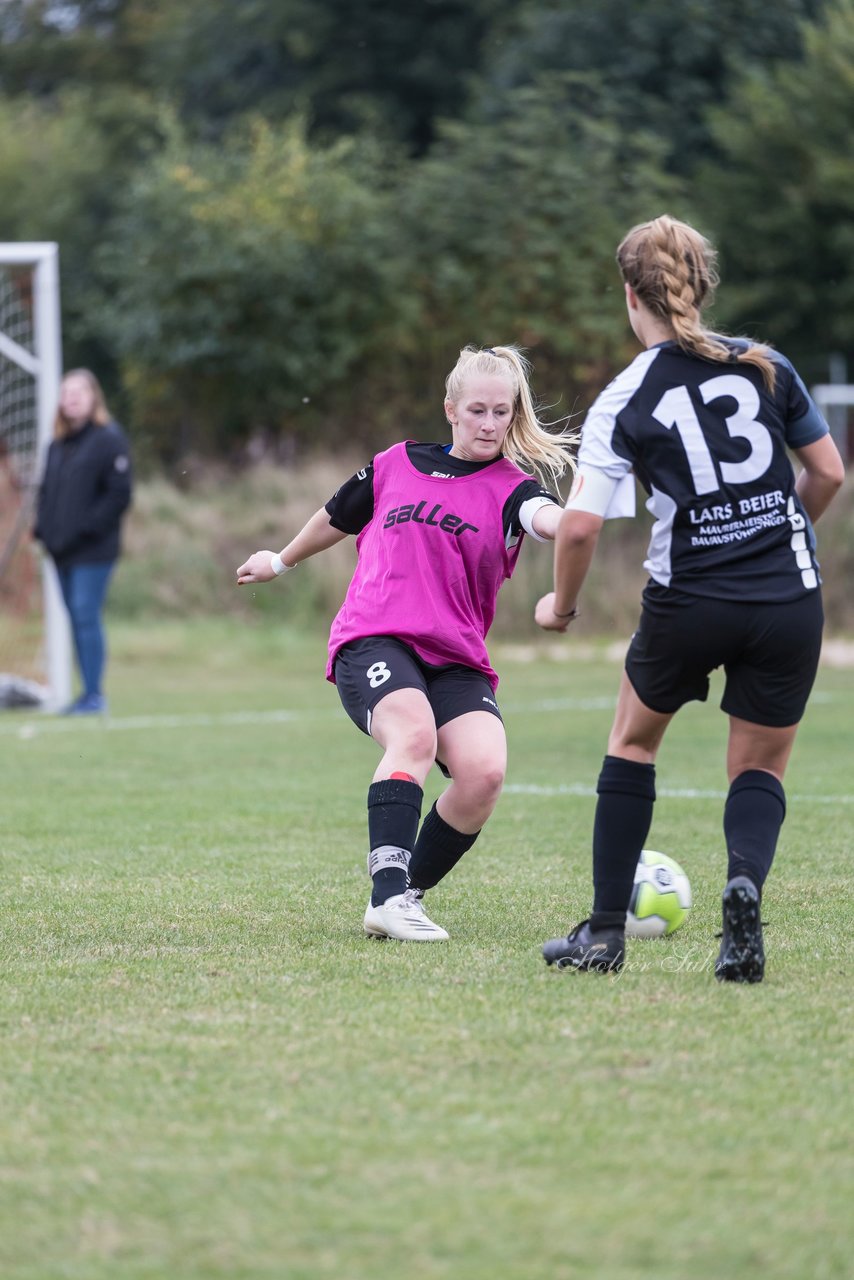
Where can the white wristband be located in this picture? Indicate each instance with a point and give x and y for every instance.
(278, 565)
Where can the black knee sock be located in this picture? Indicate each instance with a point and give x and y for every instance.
(394, 808)
(437, 851)
(753, 815)
(626, 793)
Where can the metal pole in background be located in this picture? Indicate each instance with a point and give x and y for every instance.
(48, 346)
(837, 414)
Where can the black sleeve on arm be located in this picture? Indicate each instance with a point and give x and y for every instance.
(520, 495)
(352, 506)
(115, 484)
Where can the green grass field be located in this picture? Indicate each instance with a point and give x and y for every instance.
(207, 1071)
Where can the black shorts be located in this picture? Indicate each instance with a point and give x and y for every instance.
(769, 652)
(366, 670)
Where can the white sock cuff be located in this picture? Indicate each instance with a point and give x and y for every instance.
(388, 855)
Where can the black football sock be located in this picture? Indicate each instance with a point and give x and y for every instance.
(753, 815)
(394, 809)
(626, 793)
(437, 851)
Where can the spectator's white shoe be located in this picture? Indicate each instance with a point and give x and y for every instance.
(402, 917)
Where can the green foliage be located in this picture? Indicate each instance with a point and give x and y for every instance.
(46, 48)
(184, 544)
(49, 158)
(676, 58)
(513, 224)
(280, 222)
(260, 275)
(347, 65)
(63, 161)
(785, 211)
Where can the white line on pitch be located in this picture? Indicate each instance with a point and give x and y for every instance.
(33, 725)
(671, 793)
(30, 728)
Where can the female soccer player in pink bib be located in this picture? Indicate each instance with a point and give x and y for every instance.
(438, 529)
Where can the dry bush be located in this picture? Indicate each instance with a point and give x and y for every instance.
(182, 547)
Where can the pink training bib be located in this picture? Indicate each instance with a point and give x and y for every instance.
(431, 562)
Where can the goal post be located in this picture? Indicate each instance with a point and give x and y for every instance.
(35, 646)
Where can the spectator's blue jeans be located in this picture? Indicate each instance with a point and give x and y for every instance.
(84, 589)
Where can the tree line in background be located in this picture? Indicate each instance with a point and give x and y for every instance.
(280, 220)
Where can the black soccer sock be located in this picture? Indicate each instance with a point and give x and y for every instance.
(626, 793)
(437, 851)
(753, 815)
(394, 809)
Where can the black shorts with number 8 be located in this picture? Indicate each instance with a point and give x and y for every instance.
(367, 670)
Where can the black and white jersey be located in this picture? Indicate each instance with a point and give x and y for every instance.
(708, 441)
(351, 508)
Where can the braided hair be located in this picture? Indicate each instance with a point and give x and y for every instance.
(673, 270)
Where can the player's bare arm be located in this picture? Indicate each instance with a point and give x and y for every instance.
(822, 475)
(575, 543)
(315, 536)
(547, 519)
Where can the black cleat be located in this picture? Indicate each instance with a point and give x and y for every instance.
(742, 954)
(603, 949)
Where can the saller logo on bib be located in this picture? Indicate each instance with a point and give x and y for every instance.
(447, 523)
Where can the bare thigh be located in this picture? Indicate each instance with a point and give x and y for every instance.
(473, 747)
(637, 730)
(403, 725)
(758, 746)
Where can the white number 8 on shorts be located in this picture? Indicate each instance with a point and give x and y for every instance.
(377, 674)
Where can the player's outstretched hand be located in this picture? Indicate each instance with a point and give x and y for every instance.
(256, 569)
(544, 614)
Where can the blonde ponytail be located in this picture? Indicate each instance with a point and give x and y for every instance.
(529, 444)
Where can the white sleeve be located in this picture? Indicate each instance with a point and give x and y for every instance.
(604, 485)
(527, 512)
(602, 495)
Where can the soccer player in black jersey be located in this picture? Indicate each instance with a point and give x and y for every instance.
(705, 423)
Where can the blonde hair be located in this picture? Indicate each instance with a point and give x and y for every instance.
(100, 413)
(673, 270)
(528, 444)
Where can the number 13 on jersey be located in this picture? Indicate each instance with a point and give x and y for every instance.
(675, 409)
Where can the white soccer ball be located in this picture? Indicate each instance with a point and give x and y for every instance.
(661, 897)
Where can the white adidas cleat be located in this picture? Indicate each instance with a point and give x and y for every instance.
(403, 917)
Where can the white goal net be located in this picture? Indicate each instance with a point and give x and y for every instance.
(34, 644)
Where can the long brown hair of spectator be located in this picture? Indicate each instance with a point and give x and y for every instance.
(100, 414)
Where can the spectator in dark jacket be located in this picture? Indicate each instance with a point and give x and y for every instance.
(85, 491)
